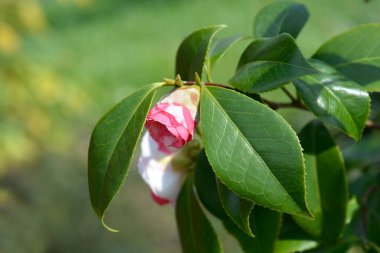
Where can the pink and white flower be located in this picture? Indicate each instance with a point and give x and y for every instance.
(157, 171)
(171, 122)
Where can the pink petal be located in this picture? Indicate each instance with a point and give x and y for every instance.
(159, 200)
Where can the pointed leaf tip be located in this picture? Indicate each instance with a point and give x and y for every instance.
(112, 145)
(107, 227)
(260, 158)
(193, 51)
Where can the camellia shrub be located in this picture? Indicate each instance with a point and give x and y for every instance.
(223, 148)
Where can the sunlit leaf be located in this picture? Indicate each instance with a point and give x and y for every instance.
(253, 150)
(291, 246)
(356, 54)
(220, 47)
(270, 63)
(280, 17)
(335, 99)
(112, 145)
(193, 52)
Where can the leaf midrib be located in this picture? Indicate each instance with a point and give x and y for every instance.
(249, 144)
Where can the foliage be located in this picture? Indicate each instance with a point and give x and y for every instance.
(254, 168)
(66, 70)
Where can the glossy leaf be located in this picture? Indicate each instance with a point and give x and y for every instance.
(356, 54)
(238, 209)
(280, 17)
(265, 224)
(291, 246)
(335, 99)
(220, 47)
(112, 145)
(193, 52)
(270, 63)
(253, 150)
(205, 183)
(218, 199)
(326, 191)
(195, 231)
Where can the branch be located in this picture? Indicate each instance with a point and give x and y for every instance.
(292, 98)
(294, 104)
(211, 84)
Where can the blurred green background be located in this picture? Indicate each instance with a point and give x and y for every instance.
(63, 63)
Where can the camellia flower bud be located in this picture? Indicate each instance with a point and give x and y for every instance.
(171, 122)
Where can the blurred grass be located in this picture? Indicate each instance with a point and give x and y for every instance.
(61, 74)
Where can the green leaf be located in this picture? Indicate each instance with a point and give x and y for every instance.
(195, 231)
(238, 209)
(220, 47)
(326, 191)
(356, 54)
(280, 17)
(290, 246)
(290, 230)
(352, 207)
(112, 145)
(193, 51)
(270, 63)
(266, 225)
(253, 150)
(205, 183)
(218, 199)
(335, 99)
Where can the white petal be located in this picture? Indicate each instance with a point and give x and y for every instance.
(163, 182)
(156, 170)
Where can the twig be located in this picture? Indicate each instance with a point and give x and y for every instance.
(292, 98)
(211, 84)
(276, 106)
